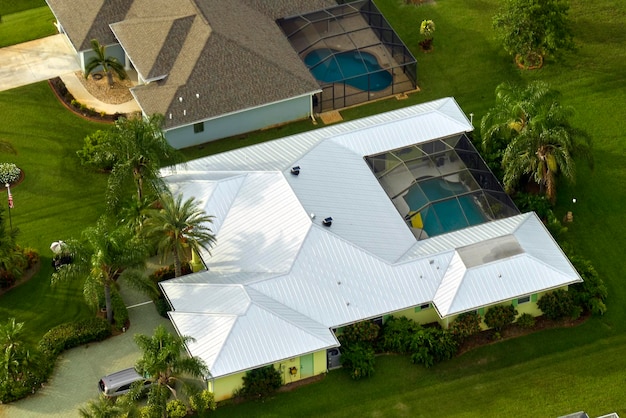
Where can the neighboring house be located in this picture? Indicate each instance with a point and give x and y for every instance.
(219, 68)
(419, 228)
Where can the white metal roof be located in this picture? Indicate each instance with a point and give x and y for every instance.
(279, 280)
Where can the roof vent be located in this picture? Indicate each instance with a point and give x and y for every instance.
(295, 170)
(328, 221)
(197, 95)
(312, 215)
(170, 116)
(184, 112)
(180, 99)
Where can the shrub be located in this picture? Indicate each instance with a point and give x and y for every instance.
(72, 334)
(358, 359)
(556, 304)
(591, 294)
(168, 272)
(203, 402)
(7, 279)
(94, 153)
(465, 325)
(365, 331)
(432, 345)
(498, 317)
(120, 313)
(260, 382)
(32, 257)
(9, 173)
(162, 306)
(397, 334)
(526, 320)
(176, 409)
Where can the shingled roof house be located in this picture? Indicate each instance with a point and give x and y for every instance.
(218, 68)
(394, 214)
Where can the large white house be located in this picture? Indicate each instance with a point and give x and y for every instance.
(394, 214)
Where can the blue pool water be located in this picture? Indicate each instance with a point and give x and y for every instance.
(357, 69)
(447, 215)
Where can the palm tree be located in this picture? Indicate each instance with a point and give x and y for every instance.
(163, 359)
(140, 150)
(104, 256)
(103, 407)
(531, 129)
(177, 227)
(108, 64)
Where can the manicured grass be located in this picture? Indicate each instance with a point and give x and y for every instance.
(26, 25)
(56, 200)
(550, 373)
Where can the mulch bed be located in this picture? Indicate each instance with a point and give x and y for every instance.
(28, 274)
(65, 97)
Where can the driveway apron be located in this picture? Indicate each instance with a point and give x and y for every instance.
(37, 60)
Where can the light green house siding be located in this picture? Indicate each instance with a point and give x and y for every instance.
(420, 315)
(291, 370)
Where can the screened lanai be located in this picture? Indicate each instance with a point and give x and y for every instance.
(441, 186)
(353, 52)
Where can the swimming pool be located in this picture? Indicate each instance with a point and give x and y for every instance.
(452, 213)
(357, 69)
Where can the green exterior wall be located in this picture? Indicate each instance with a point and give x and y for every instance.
(421, 316)
(224, 387)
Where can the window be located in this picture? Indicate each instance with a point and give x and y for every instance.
(525, 299)
(198, 127)
(422, 307)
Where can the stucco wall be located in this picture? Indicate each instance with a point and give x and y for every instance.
(421, 316)
(224, 387)
(242, 122)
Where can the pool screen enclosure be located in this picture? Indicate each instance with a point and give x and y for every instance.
(353, 53)
(441, 186)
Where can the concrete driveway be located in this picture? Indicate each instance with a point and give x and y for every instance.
(37, 60)
(75, 379)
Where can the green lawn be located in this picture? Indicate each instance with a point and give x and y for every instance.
(20, 24)
(546, 374)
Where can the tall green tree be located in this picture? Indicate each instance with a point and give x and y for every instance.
(105, 255)
(532, 29)
(164, 360)
(139, 149)
(178, 228)
(531, 129)
(109, 64)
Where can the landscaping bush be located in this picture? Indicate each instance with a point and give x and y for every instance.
(358, 359)
(526, 320)
(94, 153)
(464, 326)
(432, 345)
(162, 306)
(397, 334)
(72, 334)
(7, 279)
(557, 304)
(365, 331)
(31, 256)
(260, 382)
(167, 272)
(591, 294)
(176, 409)
(498, 317)
(120, 313)
(203, 402)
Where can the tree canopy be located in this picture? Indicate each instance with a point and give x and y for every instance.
(533, 29)
(531, 128)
